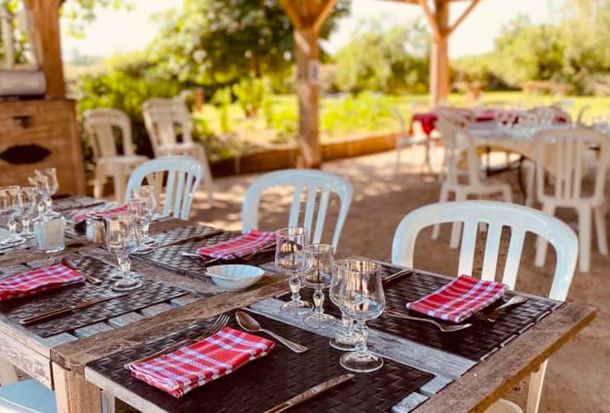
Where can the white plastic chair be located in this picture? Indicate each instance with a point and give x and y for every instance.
(181, 176)
(417, 137)
(165, 120)
(569, 147)
(101, 125)
(453, 125)
(496, 215)
(309, 184)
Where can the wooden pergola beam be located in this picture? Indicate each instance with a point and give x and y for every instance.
(431, 17)
(322, 14)
(465, 14)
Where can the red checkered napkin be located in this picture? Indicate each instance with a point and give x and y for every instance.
(239, 246)
(35, 281)
(459, 299)
(107, 213)
(209, 359)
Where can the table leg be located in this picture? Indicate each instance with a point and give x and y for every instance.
(74, 394)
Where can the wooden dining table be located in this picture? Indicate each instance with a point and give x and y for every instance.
(439, 374)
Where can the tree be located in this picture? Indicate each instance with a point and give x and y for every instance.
(386, 60)
(218, 41)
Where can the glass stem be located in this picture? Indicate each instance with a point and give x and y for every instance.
(12, 226)
(145, 230)
(295, 287)
(361, 347)
(48, 203)
(124, 264)
(348, 325)
(318, 301)
(26, 224)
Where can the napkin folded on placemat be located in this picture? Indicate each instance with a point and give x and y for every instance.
(107, 213)
(459, 299)
(209, 359)
(239, 246)
(40, 279)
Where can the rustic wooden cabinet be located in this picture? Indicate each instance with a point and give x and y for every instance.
(38, 134)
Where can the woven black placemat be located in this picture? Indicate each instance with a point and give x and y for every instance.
(170, 257)
(152, 292)
(275, 378)
(184, 233)
(475, 343)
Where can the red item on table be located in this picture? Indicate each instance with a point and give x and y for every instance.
(108, 213)
(239, 246)
(38, 280)
(459, 299)
(209, 359)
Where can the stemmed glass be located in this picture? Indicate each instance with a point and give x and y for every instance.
(361, 296)
(49, 187)
(319, 263)
(29, 195)
(290, 258)
(123, 238)
(143, 200)
(345, 340)
(11, 203)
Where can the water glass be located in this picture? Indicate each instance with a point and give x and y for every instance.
(11, 205)
(123, 238)
(146, 201)
(345, 340)
(361, 296)
(29, 195)
(290, 258)
(319, 260)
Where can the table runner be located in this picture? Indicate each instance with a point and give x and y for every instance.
(275, 378)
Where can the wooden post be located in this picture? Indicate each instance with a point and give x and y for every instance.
(307, 17)
(439, 55)
(48, 42)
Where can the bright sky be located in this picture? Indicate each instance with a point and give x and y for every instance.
(117, 31)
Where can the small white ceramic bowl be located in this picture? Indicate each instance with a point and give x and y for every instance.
(235, 277)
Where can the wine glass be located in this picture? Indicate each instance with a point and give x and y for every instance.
(122, 238)
(49, 187)
(290, 258)
(361, 296)
(29, 195)
(345, 340)
(11, 204)
(145, 203)
(319, 263)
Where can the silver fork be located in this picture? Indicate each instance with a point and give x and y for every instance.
(220, 323)
(443, 327)
(493, 316)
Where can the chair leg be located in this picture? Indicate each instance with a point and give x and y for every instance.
(8, 375)
(108, 403)
(584, 238)
(398, 153)
(119, 179)
(98, 183)
(541, 243)
(600, 229)
(530, 175)
(535, 389)
(507, 194)
(443, 198)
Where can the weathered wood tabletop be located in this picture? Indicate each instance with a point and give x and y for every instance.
(60, 362)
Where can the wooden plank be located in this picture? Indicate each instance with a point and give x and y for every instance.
(92, 329)
(125, 319)
(17, 353)
(491, 379)
(75, 355)
(156, 309)
(440, 363)
(74, 394)
(462, 17)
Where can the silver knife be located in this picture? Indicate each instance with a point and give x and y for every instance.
(310, 393)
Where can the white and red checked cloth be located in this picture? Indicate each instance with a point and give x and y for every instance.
(209, 359)
(239, 246)
(107, 213)
(40, 279)
(459, 299)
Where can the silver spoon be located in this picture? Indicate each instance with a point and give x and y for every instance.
(443, 327)
(248, 323)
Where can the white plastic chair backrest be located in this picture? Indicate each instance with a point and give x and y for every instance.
(100, 125)
(181, 176)
(497, 215)
(548, 115)
(567, 148)
(161, 116)
(310, 184)
(453, 126)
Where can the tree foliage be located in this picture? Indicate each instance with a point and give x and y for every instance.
(385, 60)
(218, 41)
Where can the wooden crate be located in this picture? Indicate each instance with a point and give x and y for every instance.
(38, 134)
